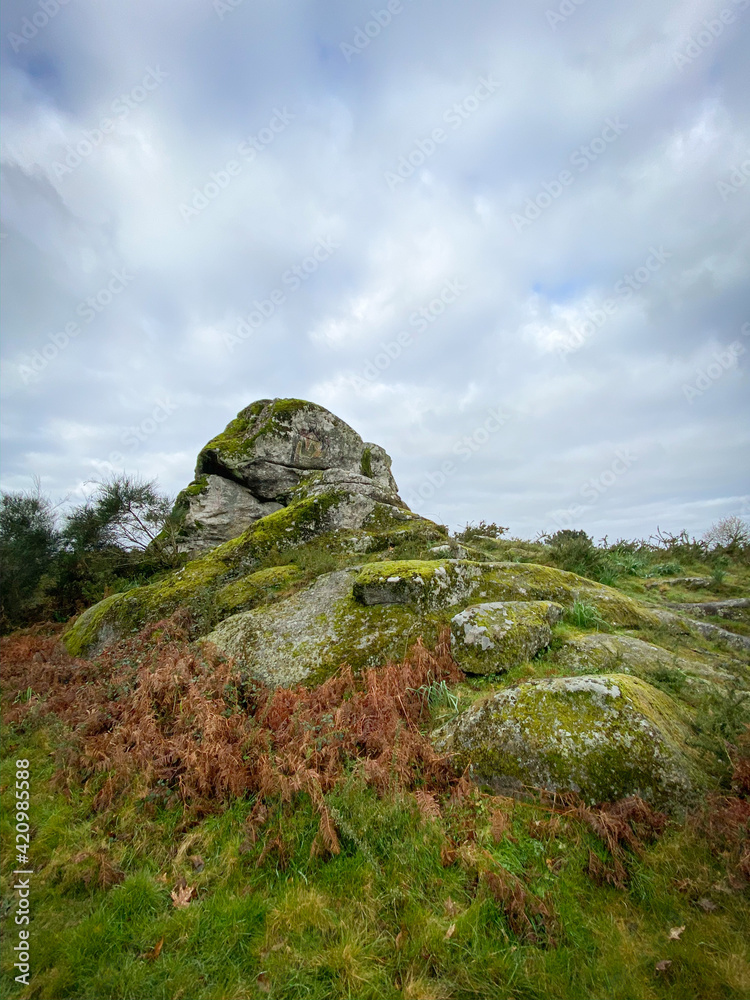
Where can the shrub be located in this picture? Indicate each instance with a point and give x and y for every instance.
(575, 551)
(484, 529)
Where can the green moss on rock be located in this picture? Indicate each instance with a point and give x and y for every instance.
(296, 523)
(492, 638)
(309, 635)
(422, 583)
(605, 737)
(255, 588)
(600, 653)
(533, 582)
(443, 583)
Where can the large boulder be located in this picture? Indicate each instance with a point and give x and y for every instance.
(307, 636)
(223, 580)
(491, 638)
(274, 452)
(605, 737)
(220, 511)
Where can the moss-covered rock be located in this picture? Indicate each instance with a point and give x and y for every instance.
(192, 587)
(256, 588)
(492, 638)
(600, 653)
(305, 637)
(605, 737)
(533, 582)
(275, 453)
(273, 443)
(450, 582)
(206, 584)
(421, 583)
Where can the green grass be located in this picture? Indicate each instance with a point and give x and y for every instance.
(382, 919)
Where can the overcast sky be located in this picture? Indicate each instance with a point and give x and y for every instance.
(509, 242)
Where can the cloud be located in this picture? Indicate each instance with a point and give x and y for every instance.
(283, 142)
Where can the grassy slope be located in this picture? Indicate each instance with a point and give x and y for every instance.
(370, 922)
(394, 914)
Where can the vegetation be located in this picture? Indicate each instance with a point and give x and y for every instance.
(55, 564)
(197, 835)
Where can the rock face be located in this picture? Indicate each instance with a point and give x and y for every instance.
(605, 737)
(603, 653)
(307, 636)
(274, 452)
(492, 638)
(445, 583)
(222, 511)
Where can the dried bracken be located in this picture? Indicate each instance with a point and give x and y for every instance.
(157, 708)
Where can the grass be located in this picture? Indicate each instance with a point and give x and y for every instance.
(392, 915)
(426, 888)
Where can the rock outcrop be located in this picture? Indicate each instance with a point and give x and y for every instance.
(602, 653)
(302, 557)
(492, 638)
(274, 452)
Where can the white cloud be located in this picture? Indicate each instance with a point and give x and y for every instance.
(322, 176)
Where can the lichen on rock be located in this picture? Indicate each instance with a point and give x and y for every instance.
(493, 637)
(605, 737)
(276, 452)
(306, 636)
(600, 653)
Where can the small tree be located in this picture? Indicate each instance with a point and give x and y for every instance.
(732, 534)
(575, 551)
(482, 530)
(128, 513)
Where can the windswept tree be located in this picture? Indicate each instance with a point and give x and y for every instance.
(126, 510)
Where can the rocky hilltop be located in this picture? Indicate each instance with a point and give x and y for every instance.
(274, 452)
(303, 557)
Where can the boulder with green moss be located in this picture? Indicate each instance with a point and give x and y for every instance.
(601, 653)
(491, 638)
(307, 636)
(221, 510)
(420, 583)
(275, 452)
(605, 737)
(451, 582)
(223, 581)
